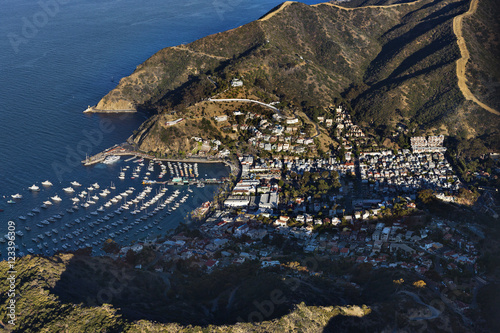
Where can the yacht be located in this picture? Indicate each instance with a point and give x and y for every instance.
(17, 196)
(34, 188)
(111, 159)
(75, 183)
(68, 190)
(46, 183)
(56, 198)
(96, 186)
(47, 203)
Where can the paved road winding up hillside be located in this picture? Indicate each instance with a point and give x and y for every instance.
(462, 62)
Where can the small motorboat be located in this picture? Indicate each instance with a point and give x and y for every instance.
(34, 188)
(46, 183)
(56, 198)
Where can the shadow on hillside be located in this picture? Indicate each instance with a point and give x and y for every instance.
(393, 47)
(237, 294)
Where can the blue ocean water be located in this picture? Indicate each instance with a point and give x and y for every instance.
(57, 57)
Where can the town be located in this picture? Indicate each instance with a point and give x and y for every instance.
(360, 208)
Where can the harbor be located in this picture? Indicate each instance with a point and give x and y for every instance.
(126, 200)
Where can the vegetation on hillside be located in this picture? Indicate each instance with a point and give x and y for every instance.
(389, 65)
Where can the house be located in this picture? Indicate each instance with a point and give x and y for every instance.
(210, 264)
(269, 200)
(220, 119)
(271, 263)
(136, 247)
(344, 251)
(236, 82)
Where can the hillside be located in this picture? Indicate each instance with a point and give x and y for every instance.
(389, 61)
(77, 293)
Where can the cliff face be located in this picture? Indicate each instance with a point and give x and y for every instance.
(391, 61)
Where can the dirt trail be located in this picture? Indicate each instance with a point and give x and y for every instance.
(347, 8)
(183, 48)
(283, 6)
(462, 62)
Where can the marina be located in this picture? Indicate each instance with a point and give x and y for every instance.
(81, 214)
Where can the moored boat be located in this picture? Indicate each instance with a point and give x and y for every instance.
(34, 188)
(111, 159)
(56, 198)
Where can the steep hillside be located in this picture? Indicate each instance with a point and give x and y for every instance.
(390, 61)
(78, 293)
(481, 36)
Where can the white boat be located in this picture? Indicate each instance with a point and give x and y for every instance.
(17, 196)
(75, 183)
(47, 203)
(96, 186)
(34, 188)
(56, 198)
(68, 189)
(111, 159)
(75, 199)
(46, 183)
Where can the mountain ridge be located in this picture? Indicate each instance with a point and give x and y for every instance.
(394, 63)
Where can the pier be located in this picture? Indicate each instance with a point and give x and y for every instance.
(188, 182)
(115, 150)
(119, 150)
(93, 109)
